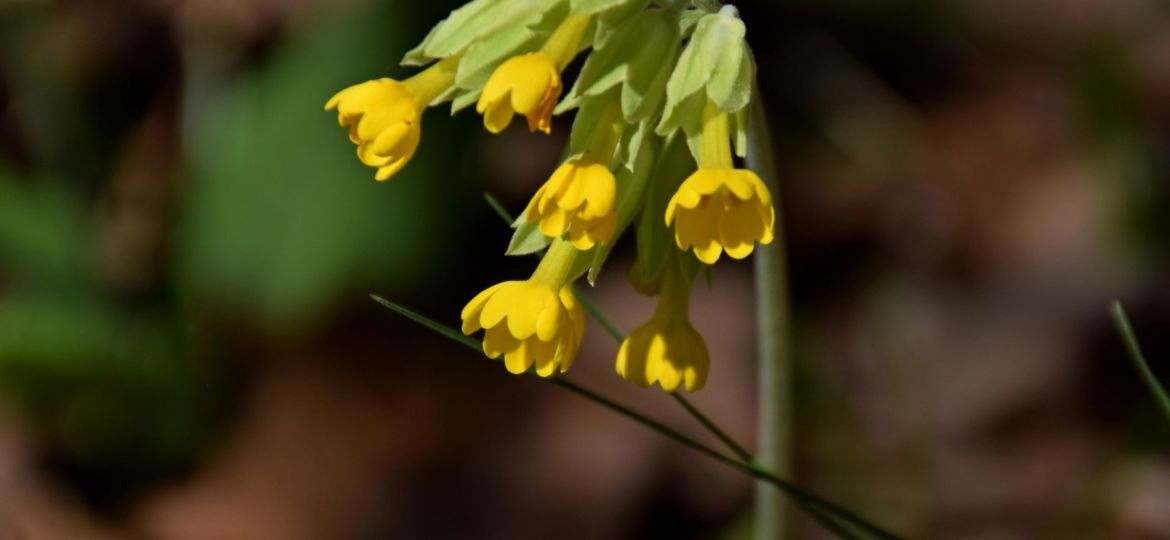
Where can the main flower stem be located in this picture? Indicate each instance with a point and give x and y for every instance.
(775, 359)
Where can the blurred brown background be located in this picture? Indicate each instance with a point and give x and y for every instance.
(187, 349)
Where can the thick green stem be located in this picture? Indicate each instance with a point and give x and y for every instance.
(775, 365)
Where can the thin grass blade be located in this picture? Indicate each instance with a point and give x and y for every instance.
(1139, 359)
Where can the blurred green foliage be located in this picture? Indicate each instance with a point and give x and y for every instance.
(281, 218)
(278, 225)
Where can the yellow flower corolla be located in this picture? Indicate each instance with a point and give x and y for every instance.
(384, 116)
(667, 350)
(529, 85)
(538, 322)
(721, 209)
(384, 120)
(579, 198)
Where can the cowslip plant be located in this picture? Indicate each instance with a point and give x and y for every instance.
(657, 74)
(661, 113)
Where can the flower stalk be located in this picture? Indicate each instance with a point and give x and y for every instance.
(775, 356)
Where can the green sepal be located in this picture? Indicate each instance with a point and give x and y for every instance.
(710, 6)
(654, 239)
(527, 239)
(590, 7)
(585, 123)
(717, 65)
(638, 57)
(688, 19)
(608, 21)
(631, 185)
(483, 57)
(581, 263)
(740, 123)
(731, 89)
(464, 99)
(628, 152)
(471, 23)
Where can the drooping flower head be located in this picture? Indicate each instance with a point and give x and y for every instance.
(667, 350)
(384, 116)
(720, 208)
(530, 84)
(537, 322)
(384, 121)
(580, 197)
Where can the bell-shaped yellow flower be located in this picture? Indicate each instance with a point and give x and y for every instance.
(384, 119)
(579, 198)
(667, 350)
(538, 322)
(529, 85)
(384, 116)
(721, 209)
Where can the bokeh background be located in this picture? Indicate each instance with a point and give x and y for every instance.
(188, 351)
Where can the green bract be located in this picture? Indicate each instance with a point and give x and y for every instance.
(470, 23)
(716, 65)
(638, 57)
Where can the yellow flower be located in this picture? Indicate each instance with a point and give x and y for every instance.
(529, 85)
(384, 116)
(579, 197)
(721, 209)
(384, 120)
(535, 322)
(666, 350)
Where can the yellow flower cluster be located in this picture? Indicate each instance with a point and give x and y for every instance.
(611, 173)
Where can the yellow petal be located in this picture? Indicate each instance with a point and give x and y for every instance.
(545, 357)
(497, 341)
(471, 311)
(497, 306)
(498, 116)
(517, 360)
